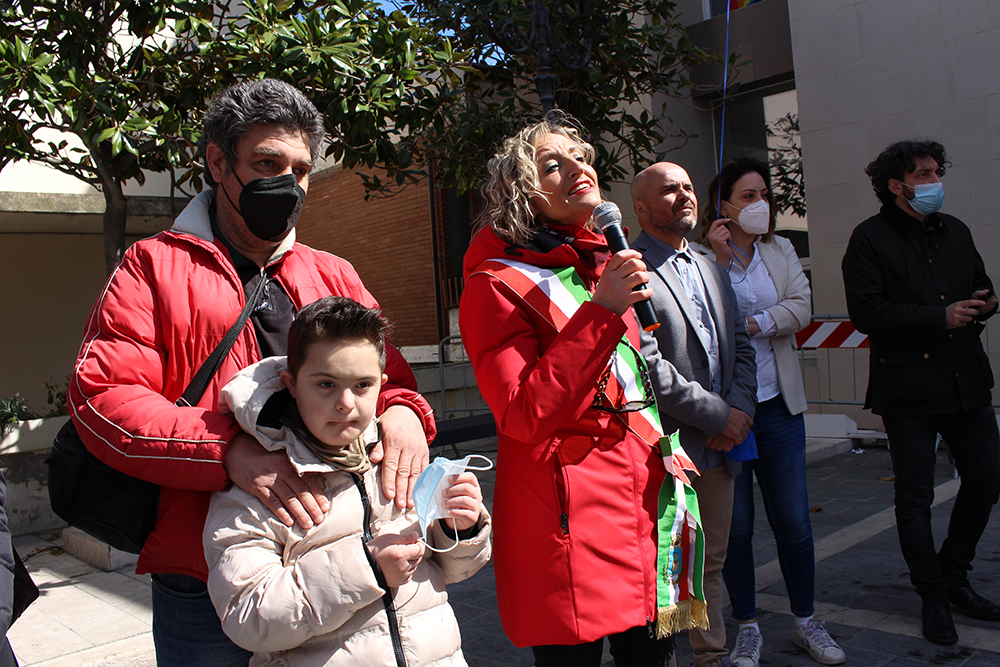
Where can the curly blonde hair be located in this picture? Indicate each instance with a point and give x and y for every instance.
(513, 179)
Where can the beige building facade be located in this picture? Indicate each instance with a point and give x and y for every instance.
(53, 269)
(861, 74)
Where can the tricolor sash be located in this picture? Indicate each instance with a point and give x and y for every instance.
(556, 295)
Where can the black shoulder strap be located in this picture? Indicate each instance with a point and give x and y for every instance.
(199, 382)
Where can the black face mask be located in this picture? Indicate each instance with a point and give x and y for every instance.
(270, 206)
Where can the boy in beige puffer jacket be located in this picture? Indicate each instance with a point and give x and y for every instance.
(356, 588)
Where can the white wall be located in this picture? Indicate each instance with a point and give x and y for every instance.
(872, 72)
(23, 176)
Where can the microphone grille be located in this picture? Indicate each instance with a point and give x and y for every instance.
(607, 213)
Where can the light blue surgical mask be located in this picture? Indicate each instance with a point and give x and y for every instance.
(927, 197)
(428, 492)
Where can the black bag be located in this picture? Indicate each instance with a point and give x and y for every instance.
(116, 508)
(25, 590)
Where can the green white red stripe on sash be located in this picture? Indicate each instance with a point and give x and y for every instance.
(681, 557)
(556, 295)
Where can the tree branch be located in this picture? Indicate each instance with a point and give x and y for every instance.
(74, 169)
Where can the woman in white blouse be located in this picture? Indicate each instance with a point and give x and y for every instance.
(737, 228)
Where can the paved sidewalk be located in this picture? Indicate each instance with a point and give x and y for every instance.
(88, 617)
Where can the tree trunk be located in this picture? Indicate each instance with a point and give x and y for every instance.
(115, 213)
(115, 206)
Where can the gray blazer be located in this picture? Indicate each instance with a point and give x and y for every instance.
(678, 361)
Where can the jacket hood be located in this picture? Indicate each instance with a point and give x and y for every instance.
(555, 246)
(245, 396)
(196, 221)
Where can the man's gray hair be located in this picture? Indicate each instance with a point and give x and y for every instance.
(238, 109)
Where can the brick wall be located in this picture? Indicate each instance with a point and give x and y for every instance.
(388, 240)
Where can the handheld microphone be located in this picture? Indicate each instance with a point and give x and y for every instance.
(608, 218)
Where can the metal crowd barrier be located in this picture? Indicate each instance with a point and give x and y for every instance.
(828, 337)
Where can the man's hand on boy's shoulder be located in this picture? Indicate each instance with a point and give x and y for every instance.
(271, 478)
(403, 453)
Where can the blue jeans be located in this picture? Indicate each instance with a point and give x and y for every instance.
(186, 630)
(972, 437)
(781, 476)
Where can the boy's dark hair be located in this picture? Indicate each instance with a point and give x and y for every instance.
(726, 180)
(899, 159)
(335, 318)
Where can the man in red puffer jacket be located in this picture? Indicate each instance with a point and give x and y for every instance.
(166, 307)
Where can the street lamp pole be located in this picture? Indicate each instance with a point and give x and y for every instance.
(574, 52)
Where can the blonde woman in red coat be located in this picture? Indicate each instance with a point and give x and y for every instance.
(576, 492)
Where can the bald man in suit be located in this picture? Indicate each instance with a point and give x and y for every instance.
(702, 367)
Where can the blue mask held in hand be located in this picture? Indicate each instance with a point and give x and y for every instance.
(927, 198)
(428, 492)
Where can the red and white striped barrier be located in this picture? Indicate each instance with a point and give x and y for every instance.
(830, 334)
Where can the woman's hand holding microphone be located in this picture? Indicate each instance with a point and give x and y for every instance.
(624, 271)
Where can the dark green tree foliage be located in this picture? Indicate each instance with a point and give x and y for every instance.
(785, 155)
(617, 63)
(110, 75)
(380, 79)
(130, 82)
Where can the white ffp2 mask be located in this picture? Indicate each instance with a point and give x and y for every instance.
(755, 218)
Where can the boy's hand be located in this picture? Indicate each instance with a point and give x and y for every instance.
(463, 500)
(397, 556)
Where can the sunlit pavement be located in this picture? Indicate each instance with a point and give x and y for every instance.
(88, 617)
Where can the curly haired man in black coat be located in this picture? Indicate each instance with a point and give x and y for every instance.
(916, 284)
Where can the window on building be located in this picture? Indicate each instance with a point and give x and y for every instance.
(718, 7)
(765, 125)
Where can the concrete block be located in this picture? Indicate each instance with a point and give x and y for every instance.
(32, 435)
(23, 451)
(829, 426)
(801, 9)
(27, 505)
(825, 41)
(821, 103)
(454, 376)
(94, 552)
(419, 354)
(841, 155)
(839, 427)
(428, 379)
(819, 449)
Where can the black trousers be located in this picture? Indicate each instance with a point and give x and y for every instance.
(632, 648)
(972, 437)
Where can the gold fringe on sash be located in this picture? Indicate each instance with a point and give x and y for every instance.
(686, 614)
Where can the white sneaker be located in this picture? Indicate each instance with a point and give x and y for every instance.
(747, 651)
(815, 639)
